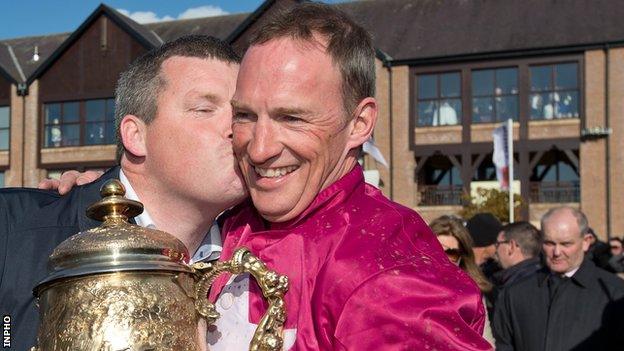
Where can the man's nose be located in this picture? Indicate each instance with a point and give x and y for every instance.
(557, 250)
(264, 144)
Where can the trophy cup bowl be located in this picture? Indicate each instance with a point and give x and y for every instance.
(123, 287)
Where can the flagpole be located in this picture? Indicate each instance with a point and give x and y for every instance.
(511, 168)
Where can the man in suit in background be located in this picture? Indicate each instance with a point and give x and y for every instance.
(570, 305)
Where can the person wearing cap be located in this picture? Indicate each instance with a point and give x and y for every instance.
(484, 229)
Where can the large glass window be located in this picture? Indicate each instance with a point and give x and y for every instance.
(494, 95)
(554, 91)
(77, 123)
(5, 124)
(439, 99)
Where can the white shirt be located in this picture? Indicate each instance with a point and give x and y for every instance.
(210, 247)
(571, 273)
(233, 331)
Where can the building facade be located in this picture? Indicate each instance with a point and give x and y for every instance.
(448, 73)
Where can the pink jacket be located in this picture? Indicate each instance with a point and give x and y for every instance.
(365, 274)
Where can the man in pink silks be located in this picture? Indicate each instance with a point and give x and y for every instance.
(365, 273)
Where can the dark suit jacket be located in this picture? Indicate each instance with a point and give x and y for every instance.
(32, 223)
(585, 313)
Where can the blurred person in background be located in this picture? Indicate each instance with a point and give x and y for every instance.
(484, 229)
(570, 304)
(457, 245)
(599, 251)
(615, 244)
(616, 263)
(518, 248)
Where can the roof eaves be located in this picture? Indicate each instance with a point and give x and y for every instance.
(251, 19)
(148, 38)
(4, 72)
(384, 57)
(497, 55)
(101, 10)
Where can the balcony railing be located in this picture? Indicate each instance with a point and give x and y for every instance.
(440, 195)
(555, 192)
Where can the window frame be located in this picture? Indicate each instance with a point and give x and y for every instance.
(493, 95)
(82, 121)
(7, 128)
(553, 87)
(438, 96)
(466, 68)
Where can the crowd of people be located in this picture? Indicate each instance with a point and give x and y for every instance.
(552, 288)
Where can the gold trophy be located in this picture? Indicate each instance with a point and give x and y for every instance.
(123, 287)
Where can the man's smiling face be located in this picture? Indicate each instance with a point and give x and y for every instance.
(291, 134)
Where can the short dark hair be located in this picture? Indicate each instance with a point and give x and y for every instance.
(528, 238)
(348, 44)
(138, 87)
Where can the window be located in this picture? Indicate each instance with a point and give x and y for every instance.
(555, 178)
(554, 91)
(440, 182)
(75, 123)
(1, 179)
(494, 95)
(5, 121)
(100, 124)
(439, 99)
(493, 92)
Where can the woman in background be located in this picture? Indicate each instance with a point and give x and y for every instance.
(457, 245)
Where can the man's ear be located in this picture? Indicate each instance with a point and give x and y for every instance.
(364, 120)
(132, 130)
(513, 246)
(586, 242)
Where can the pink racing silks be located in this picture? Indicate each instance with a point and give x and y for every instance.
(365, 274)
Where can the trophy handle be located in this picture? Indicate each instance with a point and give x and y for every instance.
(268, 334)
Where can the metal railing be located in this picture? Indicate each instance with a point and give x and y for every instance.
(440, 195)
(555, 192)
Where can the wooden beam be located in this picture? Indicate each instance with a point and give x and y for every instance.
(454, 161)
(572, 157)
(477, 163)
(536, 158)
(421, 163)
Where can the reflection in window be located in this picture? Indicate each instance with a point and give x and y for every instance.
(554, 91)
(77, 123)
(100, 122)
(439, 99)
(5, 125)
(495, 95)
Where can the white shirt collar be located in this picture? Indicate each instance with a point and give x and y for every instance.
(210, 247)
(571, 273)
